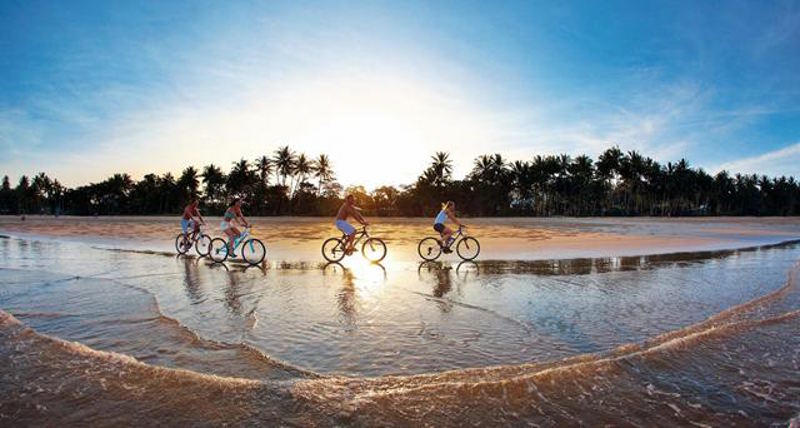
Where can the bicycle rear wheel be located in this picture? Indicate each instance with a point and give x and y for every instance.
(468, 248)
(182, 243)
(203, 245)
(333, 250)
(218, 250)
(254, 251)
(429, 249)
(374, 249)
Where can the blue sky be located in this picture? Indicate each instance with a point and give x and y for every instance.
(92, 88)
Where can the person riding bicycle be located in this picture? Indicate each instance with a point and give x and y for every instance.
(448, 212)
(191, 217)
(348, 209)
(234, 211)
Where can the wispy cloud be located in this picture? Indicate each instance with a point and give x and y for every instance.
(380, 87)
(785, 161)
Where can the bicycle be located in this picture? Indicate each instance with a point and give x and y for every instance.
(467, 247)
(201, 241)
(373, 249)
(253, 250)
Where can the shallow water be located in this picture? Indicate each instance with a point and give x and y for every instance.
(524, 321)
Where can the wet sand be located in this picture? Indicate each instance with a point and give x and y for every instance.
(650, 322)
(299, 239)
(736, 369)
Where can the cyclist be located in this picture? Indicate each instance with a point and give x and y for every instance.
(448, 212)
(234, 211)
(348, 209)
(191, 218)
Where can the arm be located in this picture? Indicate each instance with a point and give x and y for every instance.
(452, 217)
(197, 213)
(240, 216)
(357, 215)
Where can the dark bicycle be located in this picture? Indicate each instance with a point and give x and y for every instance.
(201, 241)
(467, 247)
(373, 249)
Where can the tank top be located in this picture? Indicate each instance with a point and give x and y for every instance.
(228, 215)
(441, 217)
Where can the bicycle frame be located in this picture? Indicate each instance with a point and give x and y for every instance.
(241, 238)
(191, 233)
(459, 234)
(358, 235)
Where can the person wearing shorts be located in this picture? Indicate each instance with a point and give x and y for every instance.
(234, 212)
(192, 219)
(448, 211)
(348, 209)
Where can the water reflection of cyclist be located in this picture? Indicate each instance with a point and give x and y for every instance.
(234, 212)
(191, 218)
(448, 212)
(348, 209)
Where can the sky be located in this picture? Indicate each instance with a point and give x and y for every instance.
(88, 89)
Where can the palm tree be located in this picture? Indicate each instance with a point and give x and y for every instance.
(214, 181)
(240, 179)
(40, 190)
(483, 168)
(522, 183)
(285, 163)
(166, 191)
(189, 184)
(442, 169)
(264, 167)
(323, 171)
(302, 168)
(23, 194)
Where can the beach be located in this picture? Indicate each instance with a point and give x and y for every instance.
(559, 321)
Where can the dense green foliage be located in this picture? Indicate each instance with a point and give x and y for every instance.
(289, 184)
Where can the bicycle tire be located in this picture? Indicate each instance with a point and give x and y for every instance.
(253, 251)
(218, 250)
(333, 250)
(376, 247)
(429, 249)
(182, 244)
(466, 246)
(203, 245)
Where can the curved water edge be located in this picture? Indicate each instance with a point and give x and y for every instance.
(217, 310)
(573, 391)
(735, 364)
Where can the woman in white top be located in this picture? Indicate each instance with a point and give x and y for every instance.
(448, 212)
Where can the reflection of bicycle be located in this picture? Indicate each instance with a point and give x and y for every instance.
(201, 241)
(467, 247)
(373, 249)
(252, 250)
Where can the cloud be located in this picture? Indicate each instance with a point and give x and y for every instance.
(785, 161)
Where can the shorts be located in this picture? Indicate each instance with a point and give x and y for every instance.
(186, 225)
(224, 225)
(345, 227)
(439, 227)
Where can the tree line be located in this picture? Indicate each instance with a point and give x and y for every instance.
(287, 183)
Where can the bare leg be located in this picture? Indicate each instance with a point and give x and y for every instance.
(446, 234)
(350, 238)
(232, 233)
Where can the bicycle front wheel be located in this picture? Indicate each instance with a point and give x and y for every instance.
(254, 251)
(203, 245)
(429, 249)
(333, 250)
(374, 249)
(468, 248)
(182, 243)
(218, 250)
